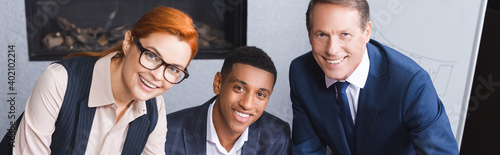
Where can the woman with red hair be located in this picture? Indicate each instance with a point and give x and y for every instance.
(110, 102)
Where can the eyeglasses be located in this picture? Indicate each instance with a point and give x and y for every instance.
(149, 60)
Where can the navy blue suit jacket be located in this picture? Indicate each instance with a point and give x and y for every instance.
(187, 133)
(399, 111)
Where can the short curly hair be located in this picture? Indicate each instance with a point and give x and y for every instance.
(249, 55)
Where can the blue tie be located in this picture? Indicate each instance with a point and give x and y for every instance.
(345, 113)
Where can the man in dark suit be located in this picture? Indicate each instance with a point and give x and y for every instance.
(234, 121)
(357, 96)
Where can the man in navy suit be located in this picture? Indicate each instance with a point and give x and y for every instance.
(234, 121)
(357, 96)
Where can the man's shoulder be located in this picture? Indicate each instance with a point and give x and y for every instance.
(305, 58)
(189, 116)
(268, 121)
(269, 135)
(304, 67)
(270, 118)
(396, 60)
(184, 113)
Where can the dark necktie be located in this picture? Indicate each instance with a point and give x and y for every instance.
(345, 113)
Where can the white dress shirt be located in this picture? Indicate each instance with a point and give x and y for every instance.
(356, 81)
(107, 136)
(213, 144)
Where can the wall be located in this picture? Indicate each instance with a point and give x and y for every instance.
(13, 32)
(278, 27)
(280, 32)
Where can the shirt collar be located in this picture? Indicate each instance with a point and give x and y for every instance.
(100, 89)
(212, 134)
(359, 76)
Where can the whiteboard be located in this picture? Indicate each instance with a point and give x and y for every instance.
(443, 37)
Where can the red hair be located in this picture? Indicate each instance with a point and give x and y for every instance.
(159, 20)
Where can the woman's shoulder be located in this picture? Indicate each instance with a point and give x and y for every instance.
(49, 90)
(55, 76)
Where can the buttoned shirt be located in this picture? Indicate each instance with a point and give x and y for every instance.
(214, 147)
(356, 81)
(107, 136)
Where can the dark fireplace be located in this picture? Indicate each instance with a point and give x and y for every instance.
(57, 28)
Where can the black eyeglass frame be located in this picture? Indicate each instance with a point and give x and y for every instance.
(142, 49)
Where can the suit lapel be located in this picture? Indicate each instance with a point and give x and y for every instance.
(252, 145)
(193, 144)
(370, 97)
(326, 102)
(195, 137)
